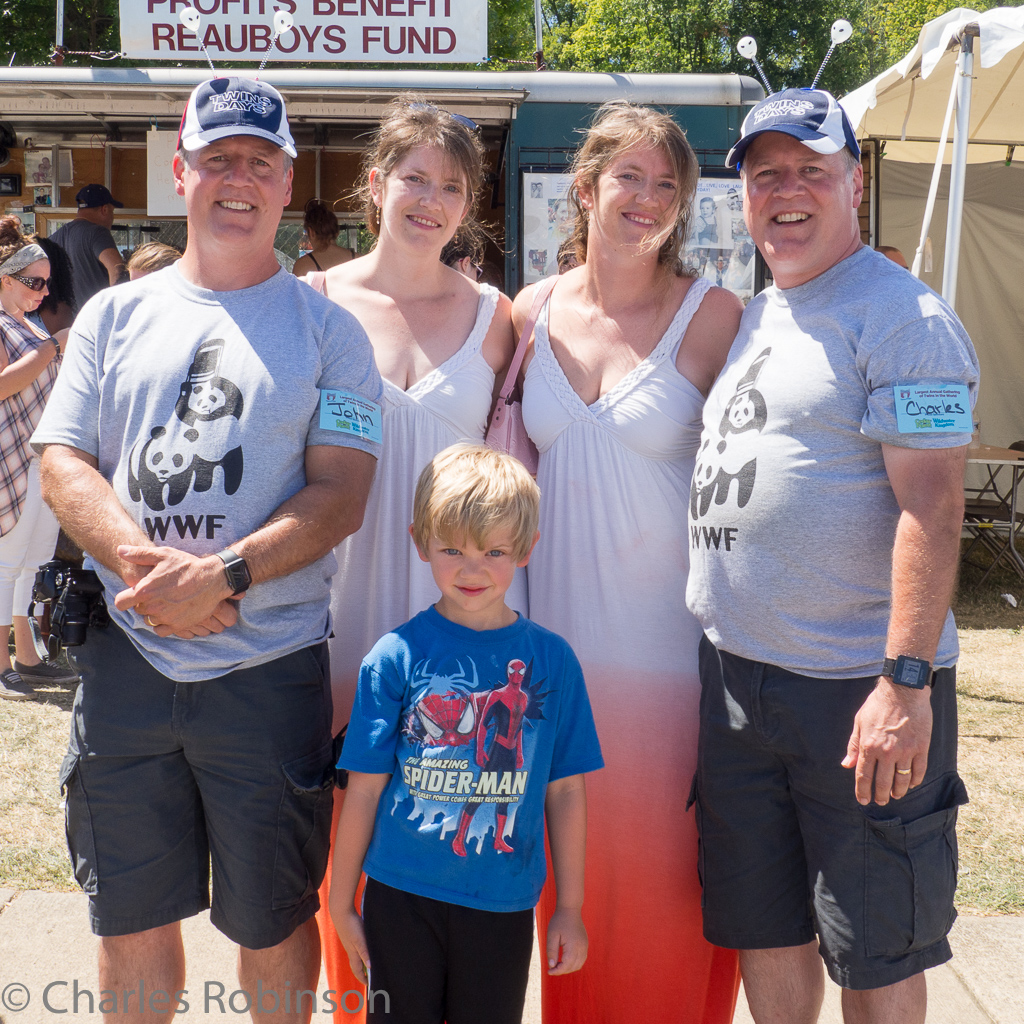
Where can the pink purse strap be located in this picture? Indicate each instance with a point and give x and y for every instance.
(540, 296)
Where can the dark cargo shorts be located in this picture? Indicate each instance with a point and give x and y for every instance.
(787, 853)
(162, 779)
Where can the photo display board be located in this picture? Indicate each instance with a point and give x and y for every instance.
(719, 247)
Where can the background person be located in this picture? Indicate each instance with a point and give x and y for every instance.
(465, 252)
(29, 360)
(894, 254)
(321, 227)
(825, 534)
(201, 746)
(56, 312)
(438, 339)
(150, 257)
(95, 259)
(623, 355)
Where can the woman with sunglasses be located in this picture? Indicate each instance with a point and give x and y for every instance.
(624, 353)
(439, 340)
(29, 358)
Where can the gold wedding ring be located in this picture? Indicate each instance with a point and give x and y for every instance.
(903, 771)
(149, 622)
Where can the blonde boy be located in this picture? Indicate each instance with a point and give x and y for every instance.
(474, 724)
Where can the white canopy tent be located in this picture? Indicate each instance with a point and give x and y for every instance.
(966, 71)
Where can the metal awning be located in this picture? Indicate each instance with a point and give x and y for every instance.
(74, 99)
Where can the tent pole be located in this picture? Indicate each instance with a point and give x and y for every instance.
(933, 188)
(958, 168)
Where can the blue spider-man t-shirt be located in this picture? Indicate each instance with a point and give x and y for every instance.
(473, 725)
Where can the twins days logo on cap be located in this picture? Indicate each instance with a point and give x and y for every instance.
(811, 115)
(224, 107)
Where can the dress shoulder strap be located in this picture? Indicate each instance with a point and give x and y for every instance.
(317, 280)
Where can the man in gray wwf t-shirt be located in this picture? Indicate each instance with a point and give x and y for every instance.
(213, 436)
(825, 515)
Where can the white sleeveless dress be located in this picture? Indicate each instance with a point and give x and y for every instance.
(609, 575)
(381, 581)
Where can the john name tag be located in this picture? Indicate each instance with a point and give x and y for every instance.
(932, 408)
(352, 414)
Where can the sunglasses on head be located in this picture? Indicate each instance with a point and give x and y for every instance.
(37, 284)
(461, 118)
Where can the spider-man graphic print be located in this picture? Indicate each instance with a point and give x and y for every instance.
(472, 726)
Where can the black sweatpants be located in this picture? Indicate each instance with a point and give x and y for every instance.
(441, 963)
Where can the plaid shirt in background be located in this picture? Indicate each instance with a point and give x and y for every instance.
(19, 415)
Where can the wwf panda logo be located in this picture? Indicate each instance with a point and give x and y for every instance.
(202, 434)
(733, 458)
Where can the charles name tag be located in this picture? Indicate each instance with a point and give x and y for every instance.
(932, 408)
(349, 413)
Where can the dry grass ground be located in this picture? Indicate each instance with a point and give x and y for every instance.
(33, 738)
(990, 688)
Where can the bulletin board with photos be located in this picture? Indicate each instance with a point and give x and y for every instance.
(719, 247)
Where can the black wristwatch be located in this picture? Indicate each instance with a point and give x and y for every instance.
(236, 571)
(913, 672)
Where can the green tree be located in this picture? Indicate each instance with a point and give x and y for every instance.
(898, 22)
(701, 36)
(28, 30)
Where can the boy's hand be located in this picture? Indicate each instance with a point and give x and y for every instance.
(353, 938)
(567, 942)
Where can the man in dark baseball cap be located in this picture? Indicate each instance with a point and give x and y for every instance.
(91, 196)
(224, 107)
(811, 115)
(95, 259)
(826, 767)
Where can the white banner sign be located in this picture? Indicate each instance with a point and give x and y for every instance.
(161, 198)
(406, 31)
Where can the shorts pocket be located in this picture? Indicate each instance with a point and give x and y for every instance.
(303, 827)
(78, 825)
(911, 872)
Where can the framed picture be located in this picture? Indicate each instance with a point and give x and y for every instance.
(38, 169)
(10, 184)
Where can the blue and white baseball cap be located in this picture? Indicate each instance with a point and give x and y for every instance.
(811, 115)
(223, 107)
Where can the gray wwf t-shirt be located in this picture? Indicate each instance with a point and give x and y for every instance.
(792, 517)
(83, 241)
(199, 406)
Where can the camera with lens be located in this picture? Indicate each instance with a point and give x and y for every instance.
(75, 599)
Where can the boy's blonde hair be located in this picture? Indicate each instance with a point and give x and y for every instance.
(470, 490)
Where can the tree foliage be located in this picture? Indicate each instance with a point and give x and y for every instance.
(28, 30)
(701, 36)
(898, 22)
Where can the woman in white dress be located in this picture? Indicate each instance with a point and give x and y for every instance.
(439, 341)
(623, 356)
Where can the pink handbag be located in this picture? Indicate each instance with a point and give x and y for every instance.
(507, 432)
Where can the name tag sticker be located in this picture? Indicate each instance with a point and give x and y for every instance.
(349, 413)
(932, 408)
